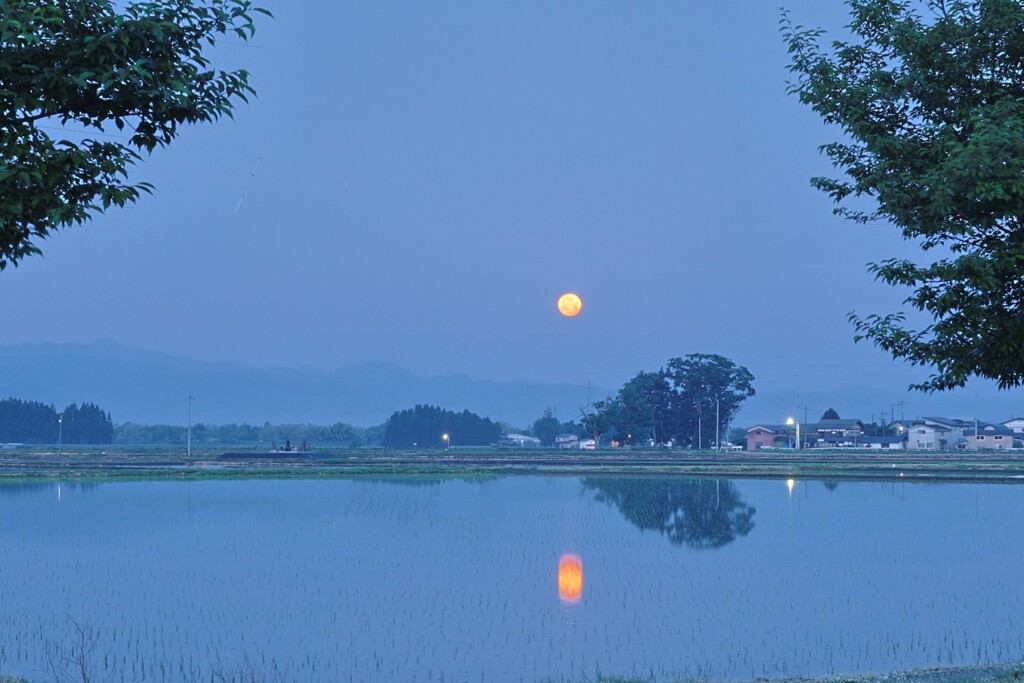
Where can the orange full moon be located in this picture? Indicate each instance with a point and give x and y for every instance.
(570, 578)
(570, 305)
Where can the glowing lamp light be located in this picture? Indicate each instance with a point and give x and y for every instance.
(790, 483)
(570, 305)
(570, 578)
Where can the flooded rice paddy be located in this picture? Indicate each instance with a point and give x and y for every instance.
(506, 579)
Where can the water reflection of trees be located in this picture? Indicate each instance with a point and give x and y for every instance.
(697, 513)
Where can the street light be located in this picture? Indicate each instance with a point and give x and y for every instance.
(60, 435)
(447, 441)
(790, 421)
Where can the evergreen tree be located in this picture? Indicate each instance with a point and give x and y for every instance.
(27, 422)
(424, 426)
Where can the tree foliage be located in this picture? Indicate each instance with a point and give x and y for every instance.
(27, 422)
(424, 425)
(830, 414)
(708, 387)
(547, 427)
(643, 408)
(597, 419)
(136, 73)
(86, 424)
(34, 422)
(930, 97)
(250, 436)
(679, 403)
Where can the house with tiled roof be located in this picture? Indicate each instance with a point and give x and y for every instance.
(1016, 424)
(765, 436)
(986, 436)
(953, 430)
(926, 437)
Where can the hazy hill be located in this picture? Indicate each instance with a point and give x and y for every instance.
(150, 387)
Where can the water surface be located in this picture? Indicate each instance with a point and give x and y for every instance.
(458, 580)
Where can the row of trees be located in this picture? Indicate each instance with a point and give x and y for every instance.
(689, 402)
(35, 422)
(425, 426)
(339, 434)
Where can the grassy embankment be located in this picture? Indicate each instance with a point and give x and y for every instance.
(1005, 673)
(839, 465)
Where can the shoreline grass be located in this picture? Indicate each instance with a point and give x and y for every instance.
(142, 465)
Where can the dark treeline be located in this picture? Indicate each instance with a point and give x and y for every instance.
(686, 403)
(547, 427)
(425, 426)
(36, 423)
(339, 434)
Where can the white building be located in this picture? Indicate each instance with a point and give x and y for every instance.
(567, 441)
(955, 429)
(925, 437)
(1016, 424)
(520, 440)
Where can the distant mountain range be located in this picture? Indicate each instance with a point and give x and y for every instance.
(149, 387)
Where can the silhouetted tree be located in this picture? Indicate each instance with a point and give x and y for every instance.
(830, 414)
(87, 424)
(424, 425)
(34, 422)
(27, 422)
(706, 386)
(643, 408)
(547, 427)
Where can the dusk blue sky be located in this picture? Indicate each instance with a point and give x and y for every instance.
(418, 182)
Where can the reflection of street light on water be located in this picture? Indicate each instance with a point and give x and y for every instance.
(790, 484)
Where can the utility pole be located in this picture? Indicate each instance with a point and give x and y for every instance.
(190, 399)
(975, 420)
(654, 427)
(718, 428)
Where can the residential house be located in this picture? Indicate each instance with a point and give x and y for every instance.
(519, 441)
(567, 441)
(833, 434)
(849, 428)
(764, 436)
(926, 437)
(884, 442)
(1016, 424)
(861, 441)
(986, 436)
(955, 430)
